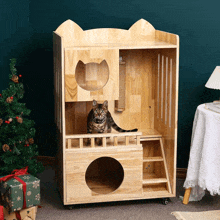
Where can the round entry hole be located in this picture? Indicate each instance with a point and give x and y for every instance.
(104, 175)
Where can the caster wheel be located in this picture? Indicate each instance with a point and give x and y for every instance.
(70, 207)
(165, 201)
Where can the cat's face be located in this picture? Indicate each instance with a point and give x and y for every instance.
(100, 110)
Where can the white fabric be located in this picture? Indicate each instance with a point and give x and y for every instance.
(204, 162)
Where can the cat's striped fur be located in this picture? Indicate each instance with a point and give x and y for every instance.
(99, 120)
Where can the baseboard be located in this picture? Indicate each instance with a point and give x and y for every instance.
(47, 161)
(181, 173)
(51, 161)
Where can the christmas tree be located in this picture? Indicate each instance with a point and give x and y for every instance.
(17, 147)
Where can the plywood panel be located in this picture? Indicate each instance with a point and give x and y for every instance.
(77, 163)
(89, 84)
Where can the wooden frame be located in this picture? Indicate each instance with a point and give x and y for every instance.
(137, 71)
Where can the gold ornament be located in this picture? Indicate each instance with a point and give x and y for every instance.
(5, 147)
(20, 120)
(1, 121)
(9, 100)
(31, 140)
(14, 78)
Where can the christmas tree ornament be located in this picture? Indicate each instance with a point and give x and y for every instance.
(5, 148)
(20, 75)
(31, 140)
(20, 120)
(14, 78)
(1, 121)
(10, 119)
(9, 99)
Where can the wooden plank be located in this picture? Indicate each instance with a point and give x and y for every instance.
(105, 135)
(81, 142)
(88, 77)
(69, 143)
(140, 34)
(156, 180)
(152, 159)
(165, 165)
(77, 162)
(104, 141)
(127, 140)
(92, 142)
(115, 141)
(120, 104)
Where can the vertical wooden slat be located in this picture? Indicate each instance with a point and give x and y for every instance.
(104, 141)
(170, 110)
(69, 143)
(162, 78)
(81, 142)
(158, 86)
(92, 142)
(138, 140)
(127, 140)
(166, 93)
(115, 141)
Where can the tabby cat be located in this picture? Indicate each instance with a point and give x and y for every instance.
(99, 120)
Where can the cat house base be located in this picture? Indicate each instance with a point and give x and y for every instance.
(136, 71)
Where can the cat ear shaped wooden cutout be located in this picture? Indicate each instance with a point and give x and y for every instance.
(74, 35)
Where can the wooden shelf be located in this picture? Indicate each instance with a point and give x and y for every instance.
(156, 180)
(145, 45)
(150, 134)
(152, 159)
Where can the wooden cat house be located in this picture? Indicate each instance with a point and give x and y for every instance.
(136, 70)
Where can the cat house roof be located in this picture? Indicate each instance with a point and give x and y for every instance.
(140, 33)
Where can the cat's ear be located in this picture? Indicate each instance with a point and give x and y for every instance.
(105, 104)
(94, 103)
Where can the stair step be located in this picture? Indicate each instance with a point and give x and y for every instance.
(155, 180)
(152, 159)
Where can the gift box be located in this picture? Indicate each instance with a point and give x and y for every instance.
(19, 191)
(24, 214)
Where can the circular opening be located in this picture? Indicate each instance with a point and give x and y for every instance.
(92, 76)
(104, 175)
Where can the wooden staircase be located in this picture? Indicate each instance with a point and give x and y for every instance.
(150, 157)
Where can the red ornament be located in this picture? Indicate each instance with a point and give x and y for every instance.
(20, 75)
(12, 97)
(28, 145)
(16, 117)
(0, 95)
(7, 122)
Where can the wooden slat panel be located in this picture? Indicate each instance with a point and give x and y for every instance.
(104, 141)
(92, 142)
(104, 135)
(115, 141)
(81, 142)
